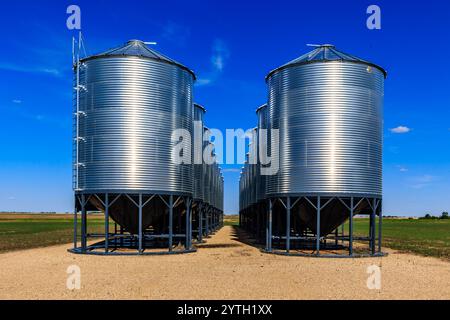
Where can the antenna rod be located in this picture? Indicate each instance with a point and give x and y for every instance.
(78, 111)
(73, 51)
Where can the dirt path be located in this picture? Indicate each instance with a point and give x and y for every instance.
(223, 268)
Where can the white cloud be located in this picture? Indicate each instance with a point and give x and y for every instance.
(220, 54)
(219, 57)
(17, 101)
(400, 129)
(422, 181)
(175, 33)
(53, 72)
(203, 81)
(17, 68)
(402, 169)
(425, 178)
(218, 62)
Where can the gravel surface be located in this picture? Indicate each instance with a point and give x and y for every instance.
(223, 268)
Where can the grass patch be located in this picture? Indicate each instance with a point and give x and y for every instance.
(231, 220)
(424, 237)
(31, 231)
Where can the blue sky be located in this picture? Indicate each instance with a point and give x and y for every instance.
(231, 45)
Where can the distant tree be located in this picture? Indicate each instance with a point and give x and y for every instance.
(428, 216)
(444, 215)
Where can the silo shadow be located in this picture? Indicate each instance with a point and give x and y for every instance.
(240, 235)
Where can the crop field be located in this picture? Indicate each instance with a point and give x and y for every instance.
(420, 236)
(231, 220)
(23, 231)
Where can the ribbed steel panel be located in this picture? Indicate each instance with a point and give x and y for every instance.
(199, 168)
(132, 105)
(329, 116)
(262, 115)
(247, 181)
(216, 186)
(253, 167)
(207, 193)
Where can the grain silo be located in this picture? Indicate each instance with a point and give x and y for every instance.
(212, 206)
(252, 184)
(199, 173)
(129, 101)
(327, 107)
(262, 137)
(261, 179)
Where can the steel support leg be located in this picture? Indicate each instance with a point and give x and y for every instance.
(318, 226)
(170, 222)
(336, 235)
(206, 221)
(140, 223)
(288, 224)
(350, 228)
(75, 224)
(106, 222)
(121, 236)
(188, 213)
(380, 222)
(200, 223)
(258, 222)
(372, 226)
(269, 242)
(190, 224)
(83, 223)
(267, 229)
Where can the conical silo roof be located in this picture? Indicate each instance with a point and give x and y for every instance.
(139, 49)
(325, 53)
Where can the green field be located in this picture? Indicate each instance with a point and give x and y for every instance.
(231, 220)
(421, 236)
(23, 231)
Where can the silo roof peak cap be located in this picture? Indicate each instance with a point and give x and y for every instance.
(198, 105)
(325, 45)
(324, 53)
(135, 42)
(138, 48)
(261, 107)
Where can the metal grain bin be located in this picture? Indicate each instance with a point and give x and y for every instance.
(207, 193)
(262, 115)
(133, 99)
(328, 108)
(253, 166)
(221, 193)
(199, 168)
